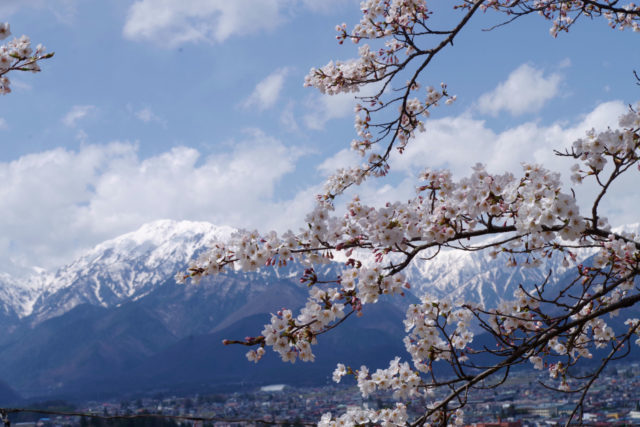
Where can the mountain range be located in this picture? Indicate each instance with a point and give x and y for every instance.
(114, 321)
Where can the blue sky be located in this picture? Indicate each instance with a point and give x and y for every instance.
(195, 109)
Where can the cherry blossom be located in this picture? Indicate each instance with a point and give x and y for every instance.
(519, 218)
(18, 55)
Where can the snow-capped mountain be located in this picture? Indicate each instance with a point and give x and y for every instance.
(477, 277)
(122, 269)
(481, 278)
(115, 318)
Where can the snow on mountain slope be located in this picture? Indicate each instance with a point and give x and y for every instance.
(475, 276)
(125, 268)
(12, 296)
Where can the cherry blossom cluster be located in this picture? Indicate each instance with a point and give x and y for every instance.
(620, 146)
(533, 205)
(620, 252)
(427, 324)
(392, 21)
(292, 337)
(17, 54)
(438, 331)
(398, 377)
(340, 180)
(618, 261)
(516, 314)
(621, 255)
(409, 121)
(382, 18)
(347, 76)
(634, 326)
(564, 13)
(363, 416)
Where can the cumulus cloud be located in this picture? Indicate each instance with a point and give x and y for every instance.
(171, 23)
(77, 113)
(460, 142)
(267, 92)
(526, 90)
(60, 202)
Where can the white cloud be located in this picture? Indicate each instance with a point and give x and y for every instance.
(460, 142)
(3, 124)
(147, 116)
(175, 22)
(267, 92)
(76, 113)
(171, 22)
(59, 202)
(526, 90)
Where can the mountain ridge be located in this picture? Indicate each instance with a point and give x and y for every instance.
(116, 312)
